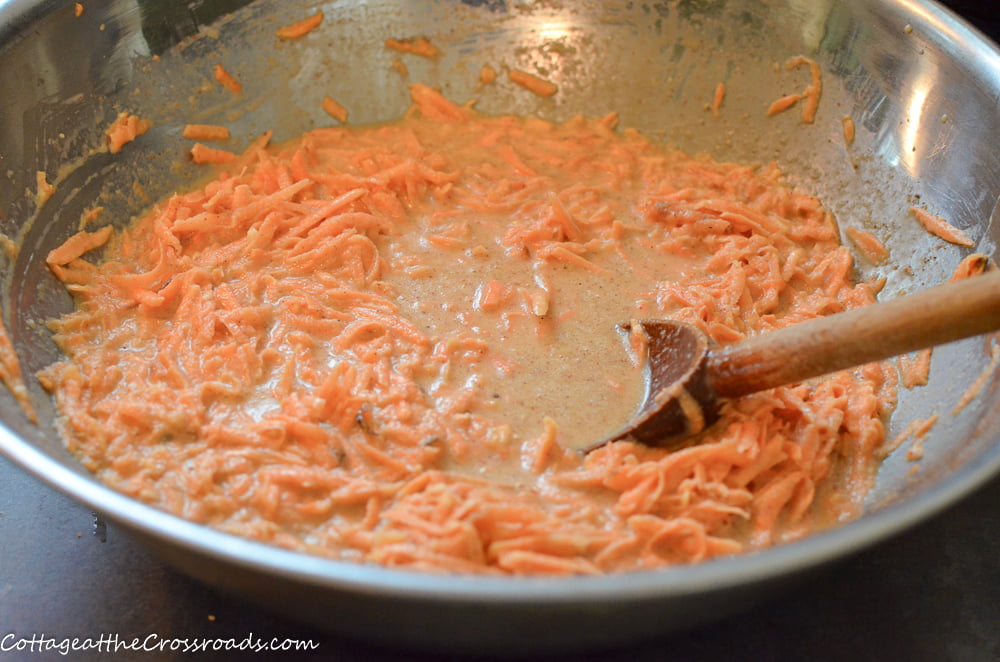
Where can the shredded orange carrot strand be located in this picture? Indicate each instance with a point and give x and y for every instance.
(126, 128)
(487, 74)
(869, 245)
(717, 98)
(813, 91)
(314, 349)
(79, 244)
(415, 46)
(533, 83)
(971, 265)
(941, 228)
(226, 79)
(892, 445)
(9, 247)
(399, 67)
(207, 132)
(976, 387)
(203, 154)
(334, 109)
(300, 28)
(90, 216)
(923, 427)
(783, 104)
(847, 122)
(10, 375)
(77, 9)
(43, 190)
(915, 369)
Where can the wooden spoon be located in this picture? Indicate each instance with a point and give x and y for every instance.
(687, 379)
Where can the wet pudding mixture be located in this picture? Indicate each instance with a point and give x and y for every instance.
(382, 344)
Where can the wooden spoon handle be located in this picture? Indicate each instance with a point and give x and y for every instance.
(931, 317)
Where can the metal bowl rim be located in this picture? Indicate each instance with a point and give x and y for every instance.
(974, 50)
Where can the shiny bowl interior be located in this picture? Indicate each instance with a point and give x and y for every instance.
(920, 85)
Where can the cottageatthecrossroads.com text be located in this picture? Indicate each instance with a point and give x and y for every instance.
(150, 643)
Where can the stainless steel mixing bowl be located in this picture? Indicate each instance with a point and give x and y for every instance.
(920, 85)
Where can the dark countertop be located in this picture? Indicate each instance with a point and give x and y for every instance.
(929, 594)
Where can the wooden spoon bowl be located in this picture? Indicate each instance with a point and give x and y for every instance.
(687, 379)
